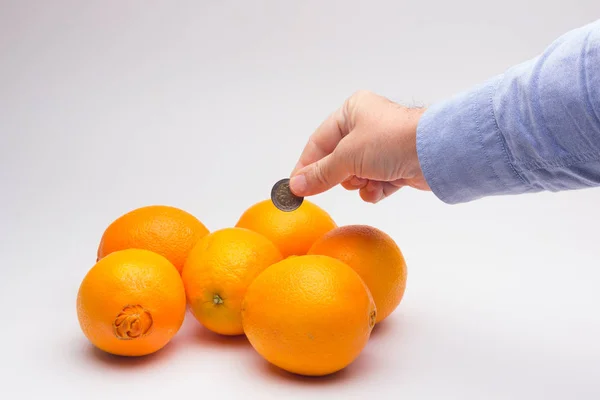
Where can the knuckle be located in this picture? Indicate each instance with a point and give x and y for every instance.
(351, 155)
(361, 94)
(321, 173)
(355, 99)
(345, 154)
(356, 104)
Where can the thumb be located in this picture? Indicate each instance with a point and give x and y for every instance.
(319, 176)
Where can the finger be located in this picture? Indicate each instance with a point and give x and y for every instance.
(323, 141)
(348, 186)
(354, 183)
(389, 188)
(399, 183)
(375, 191)
(372, 192)
(319, 176)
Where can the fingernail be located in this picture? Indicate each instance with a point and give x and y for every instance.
(298, 185)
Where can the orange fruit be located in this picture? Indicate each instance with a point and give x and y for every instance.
(218, 271)
(131, 303)
(165, 230)
(375, 256)
(292, 232)
(309, 315)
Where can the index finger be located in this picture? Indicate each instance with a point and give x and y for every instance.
(323, 141)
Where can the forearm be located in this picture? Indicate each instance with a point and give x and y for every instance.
(536, 127)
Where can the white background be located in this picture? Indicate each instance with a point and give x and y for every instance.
(106, 106)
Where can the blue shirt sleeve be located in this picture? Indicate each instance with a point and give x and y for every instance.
(536, 127)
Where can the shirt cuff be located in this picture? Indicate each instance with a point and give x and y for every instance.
(461, 150)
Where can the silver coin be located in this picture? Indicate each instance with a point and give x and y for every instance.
(283, 198)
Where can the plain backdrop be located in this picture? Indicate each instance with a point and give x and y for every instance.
(106, 106)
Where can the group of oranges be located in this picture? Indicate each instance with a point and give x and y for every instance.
(305, 292)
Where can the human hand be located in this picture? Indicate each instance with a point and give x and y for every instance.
(368, 145)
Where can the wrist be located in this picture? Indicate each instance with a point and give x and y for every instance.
(414, 175)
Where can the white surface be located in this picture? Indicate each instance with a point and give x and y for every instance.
(107, 106)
